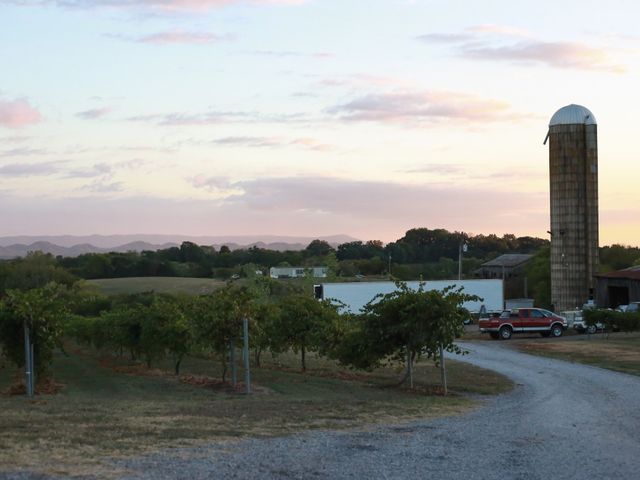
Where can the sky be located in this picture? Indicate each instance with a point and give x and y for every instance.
(308, 117)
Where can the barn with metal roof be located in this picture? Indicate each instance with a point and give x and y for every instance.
(618, 288)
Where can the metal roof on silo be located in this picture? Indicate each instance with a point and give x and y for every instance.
(571, 115)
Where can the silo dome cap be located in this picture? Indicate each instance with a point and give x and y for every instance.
(571, 115)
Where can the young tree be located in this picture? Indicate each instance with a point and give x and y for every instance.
(407, 323)
(304, 324)
(164, 330)
(217, 320)
(42, 311)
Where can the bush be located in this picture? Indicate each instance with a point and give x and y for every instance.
(614, 320)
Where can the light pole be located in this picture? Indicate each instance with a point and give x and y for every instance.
(462, 248)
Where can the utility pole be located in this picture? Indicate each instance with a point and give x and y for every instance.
(463, 247)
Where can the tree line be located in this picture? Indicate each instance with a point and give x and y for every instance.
(421, 251)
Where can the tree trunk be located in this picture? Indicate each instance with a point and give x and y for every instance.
(304, 362)
(256, 356)
(408, 373)
(224, 367)
(178, 361)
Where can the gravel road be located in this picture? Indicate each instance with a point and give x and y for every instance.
(562, 421)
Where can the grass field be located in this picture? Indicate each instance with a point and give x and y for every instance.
(617, 351)
(109, 408)
(191, 286)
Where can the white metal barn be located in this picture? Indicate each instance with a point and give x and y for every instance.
(355, 295)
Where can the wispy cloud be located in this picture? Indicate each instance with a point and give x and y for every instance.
(437, 169)
(18, 113)
(155, 5)
(212, 117)
(288, 53)
(101, 186)
(94, 113)
(23, 152)
(175, 37)
(500, 43)
(420, 107)
(29, 169)
(96, 170)
(274, 142)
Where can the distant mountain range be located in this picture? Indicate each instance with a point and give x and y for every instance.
(72, 246)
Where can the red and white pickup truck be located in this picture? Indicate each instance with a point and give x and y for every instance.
(523, 320)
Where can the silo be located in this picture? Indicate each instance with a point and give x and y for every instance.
(573, 175)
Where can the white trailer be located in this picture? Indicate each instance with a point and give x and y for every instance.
(355, 295)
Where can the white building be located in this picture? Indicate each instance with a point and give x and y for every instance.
(296, 272)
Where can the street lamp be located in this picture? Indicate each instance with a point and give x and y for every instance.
(462, 248)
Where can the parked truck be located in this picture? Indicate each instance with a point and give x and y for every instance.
(355, 295)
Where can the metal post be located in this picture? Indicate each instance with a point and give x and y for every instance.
(410, 367)
(443, 372)
(232, 360)
(28, 357)
(33, 368)
(247, 372)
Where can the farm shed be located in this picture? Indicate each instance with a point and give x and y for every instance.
(618, 288)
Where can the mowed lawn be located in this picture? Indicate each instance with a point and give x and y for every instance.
(110, 407)
(616, 351)
(190, 286)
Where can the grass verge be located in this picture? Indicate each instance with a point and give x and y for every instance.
(108, 408)
(616, 351)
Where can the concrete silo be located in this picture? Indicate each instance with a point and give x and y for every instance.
(573, 174)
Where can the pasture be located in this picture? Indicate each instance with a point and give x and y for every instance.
(174, 285)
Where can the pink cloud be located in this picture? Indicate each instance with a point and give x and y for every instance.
(501, 43)
(18, 113)
(554, 54)
(423, 107)
(177, 37)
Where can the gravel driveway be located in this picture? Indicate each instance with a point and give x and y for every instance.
(562, 421)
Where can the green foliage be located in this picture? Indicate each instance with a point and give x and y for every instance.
(617, 257)
(33, 271)
(614, 320)
(43, 311)
(404, 323)
(304, 324)
(216, 319)
(318, 248)
(538, 273)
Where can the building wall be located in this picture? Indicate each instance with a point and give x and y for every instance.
(604, 299)
(573, 173)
